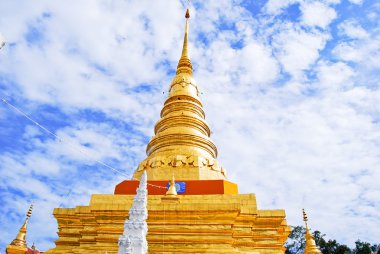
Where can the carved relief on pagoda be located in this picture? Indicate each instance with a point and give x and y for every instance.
(176, 161)
(184, 84)
(184, 79)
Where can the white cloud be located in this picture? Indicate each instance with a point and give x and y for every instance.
(356, 1)
(308, 149)
(276, 6)
(297, 49)
(363, 51)
(258, 64)
(317, 14)
(61, 71)
(347, 51)
(352, 29)
(333, 2)
(2, 41)
(335, 75)
(314, 13)
(53, 172)
(228, 62)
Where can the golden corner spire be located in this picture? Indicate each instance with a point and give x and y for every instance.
(184, 64)
(20, 241)
(311, 246)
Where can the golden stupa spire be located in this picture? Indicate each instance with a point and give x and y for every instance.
(172, 191)
(311, 246)
(182, 142)
(19, 243)
(184, 64)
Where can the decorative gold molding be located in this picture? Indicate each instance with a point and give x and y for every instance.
(181, 161)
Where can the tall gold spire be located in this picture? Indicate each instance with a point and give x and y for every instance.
(184, 64)
(311, 246)
(19, 243)
(182, 143)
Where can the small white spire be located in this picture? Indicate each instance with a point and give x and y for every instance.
(172, 191)
(133, 241)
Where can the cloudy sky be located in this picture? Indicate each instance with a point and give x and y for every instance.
(290, 88)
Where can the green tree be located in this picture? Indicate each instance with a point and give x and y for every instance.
(295, 244)
(364, 248)
(330, 246)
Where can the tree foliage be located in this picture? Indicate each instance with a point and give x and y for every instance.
(296, 244)
(296, 241)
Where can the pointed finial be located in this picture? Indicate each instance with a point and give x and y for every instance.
(184, 64)
(29, 213)
(304, 217)
(172, 191)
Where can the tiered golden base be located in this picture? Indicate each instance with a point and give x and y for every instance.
(225, 223)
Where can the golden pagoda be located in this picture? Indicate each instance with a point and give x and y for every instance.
(202, 211)
(311, 246)
(18, 245)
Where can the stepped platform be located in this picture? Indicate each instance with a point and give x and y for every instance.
(224, 223)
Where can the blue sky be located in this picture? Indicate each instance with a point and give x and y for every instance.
(290, 89)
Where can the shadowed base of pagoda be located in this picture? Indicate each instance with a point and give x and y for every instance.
(226, 223)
